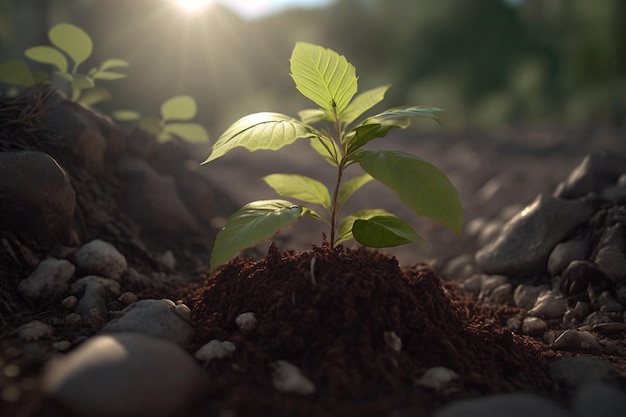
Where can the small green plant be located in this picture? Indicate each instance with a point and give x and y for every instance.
(330, 81)
(69, 42)
(176, 115)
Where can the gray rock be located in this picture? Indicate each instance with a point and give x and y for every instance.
(607, 304)
(92, 291)
(581, 370)
(489, 284)
(460, 267)
(620, 293)
(615, 194)
(125, 375)
(599, 399)
(577, 314)
(579, 274)
(474, 283)
(34, 330)
(158, 318)
(50, 280)
(525, 296)
(91, 136)
(526, 241)
(576, 340)
(549, 304)
(510, 405)
(566, 252)
(155, 202)
(101, 258)
(596, 172)
(612, 263)
(37, 200)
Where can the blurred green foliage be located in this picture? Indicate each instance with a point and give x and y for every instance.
(487, 62)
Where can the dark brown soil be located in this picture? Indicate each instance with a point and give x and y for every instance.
(331, 324)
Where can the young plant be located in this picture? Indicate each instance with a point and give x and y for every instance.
(330, 81)
(176, 115)
(69, 42)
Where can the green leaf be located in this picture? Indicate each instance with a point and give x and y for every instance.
(126, 115)
(268, 131)
(179, 108)
(310, 116)
(344, 229)
(249, 225)
(113, 63)
(16, 72)
(191, 132)
(363, 102)
(107, 75)
(362, 134)
(151, 124)
(300, 187)
(82, 81)
(47, 55)
(351, 186)
(40, 77)
(327, 148)
(402, 113)
(323, 76)
(95, 95)
(421, 185)
(384, 231)
(73, 41)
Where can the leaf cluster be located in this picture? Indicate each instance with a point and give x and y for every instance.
(176, 115)
(72, 47)
(330, 81)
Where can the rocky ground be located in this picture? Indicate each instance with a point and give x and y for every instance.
(107, 307)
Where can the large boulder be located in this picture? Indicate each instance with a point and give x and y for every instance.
(37, 200)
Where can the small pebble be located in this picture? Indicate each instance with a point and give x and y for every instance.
(34, 330)
(533, 325)
(127, 298)
(215, 350)
(288, 378)
(393, 341)
(246, 321)
(437, 377)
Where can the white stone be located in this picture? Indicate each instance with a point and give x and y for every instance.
(246, 321)
(48, 281)
(34, 330)
(549, 304)
(101, 258)
(215, 350)
(158, 318)
(533, 325)
(437, 377)
(125, 375)
(288, 378)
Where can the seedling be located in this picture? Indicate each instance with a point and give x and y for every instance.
(330, 81)
(176, 115)
(69, 42)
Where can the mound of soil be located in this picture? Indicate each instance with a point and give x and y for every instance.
(330, 312)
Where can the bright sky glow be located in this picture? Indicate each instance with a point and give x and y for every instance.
(193, 6)
(248, 9)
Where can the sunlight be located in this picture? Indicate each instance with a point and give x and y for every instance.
(193, 6)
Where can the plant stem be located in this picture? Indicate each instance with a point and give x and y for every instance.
(334, 208)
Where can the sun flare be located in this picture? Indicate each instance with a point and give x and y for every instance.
(193, 6)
